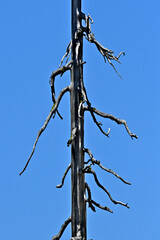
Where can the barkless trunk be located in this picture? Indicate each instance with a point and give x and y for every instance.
(77, 154)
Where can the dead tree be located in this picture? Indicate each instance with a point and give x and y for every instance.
(79, 102)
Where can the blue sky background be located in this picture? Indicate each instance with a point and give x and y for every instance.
(33, 38)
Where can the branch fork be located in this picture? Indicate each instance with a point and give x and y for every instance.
(92, 202)
(89, 170)
(94, 161)
(113, 118)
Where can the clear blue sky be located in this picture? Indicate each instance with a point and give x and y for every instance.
(33, 38)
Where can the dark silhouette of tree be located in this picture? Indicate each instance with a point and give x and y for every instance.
(79, 102)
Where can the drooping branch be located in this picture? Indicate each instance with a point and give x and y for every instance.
(113, 118)
(63, 227)
(63, 178)
(54, 108)
(106, 53)
(89, 170)
(94, 161)
(68, 51)
(59, 71)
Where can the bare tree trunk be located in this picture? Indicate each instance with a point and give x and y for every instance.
(79, 104)
(77, 125)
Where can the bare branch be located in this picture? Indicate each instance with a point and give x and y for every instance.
(63, 227)
(113, 118)
(63, 178)
(73, 136)
(111, 171)
(54, 108)
(89, 170)
(89, 200)
(94, 161)
(99, 125)
(68, 50)
(59, 71)
(102, 207)
(106, 53)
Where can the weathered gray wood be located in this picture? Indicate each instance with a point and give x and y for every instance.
(77, 154)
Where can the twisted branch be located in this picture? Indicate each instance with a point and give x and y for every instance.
(94, 161)
(113, 118)
(59, 71)
(89, 170)
(63, 178)
(106, 53)
(54, 108)
(63, 227)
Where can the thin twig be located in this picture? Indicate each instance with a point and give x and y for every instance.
(113, 118)
(54, 108)
(101, 207)
(89, 170)
(63, 178)
(68, 50)
(94, 161)
(63, 227)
